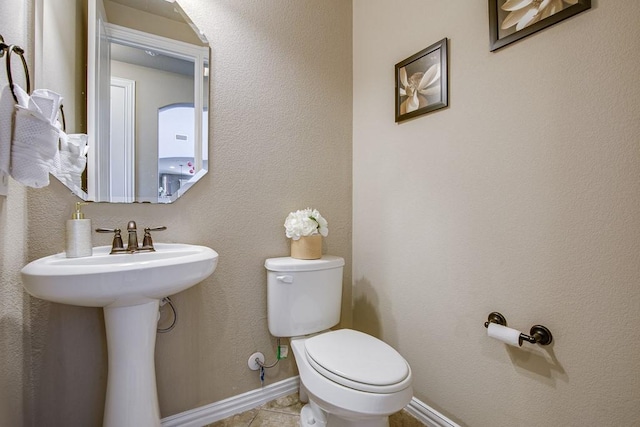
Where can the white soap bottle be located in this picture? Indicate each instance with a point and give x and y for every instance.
(78, 242)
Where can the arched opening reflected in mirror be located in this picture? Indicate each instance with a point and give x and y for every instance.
(122, 63)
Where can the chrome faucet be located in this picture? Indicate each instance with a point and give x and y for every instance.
(117, 246)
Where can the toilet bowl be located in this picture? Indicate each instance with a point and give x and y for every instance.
(349, 378)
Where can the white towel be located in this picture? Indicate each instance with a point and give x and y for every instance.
(47, 102)
(34, 144)
(74, 143)
(34, 149)
(6, 123)
(7, 109)
(73, 161)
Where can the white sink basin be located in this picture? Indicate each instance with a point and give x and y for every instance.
(129, 288)
(105, 280)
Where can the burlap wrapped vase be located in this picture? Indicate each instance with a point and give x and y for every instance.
(307, 247)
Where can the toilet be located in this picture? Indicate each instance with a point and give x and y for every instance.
(348, 378)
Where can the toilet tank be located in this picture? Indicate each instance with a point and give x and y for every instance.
(303, 296)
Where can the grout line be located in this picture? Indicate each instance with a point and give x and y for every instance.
(288, 414)
(253, 418)
(281, 411)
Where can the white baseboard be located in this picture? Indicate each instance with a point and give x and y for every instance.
(217, 411)
(427, 415)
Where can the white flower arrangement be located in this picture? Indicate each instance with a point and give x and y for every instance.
(306, 222)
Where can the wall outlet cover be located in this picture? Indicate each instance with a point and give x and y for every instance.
(253, 365)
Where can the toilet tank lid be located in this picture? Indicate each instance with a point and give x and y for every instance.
(294, 264)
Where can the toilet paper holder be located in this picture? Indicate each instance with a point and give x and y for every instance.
(538, 334)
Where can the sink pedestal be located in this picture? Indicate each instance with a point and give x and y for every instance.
(132, 398)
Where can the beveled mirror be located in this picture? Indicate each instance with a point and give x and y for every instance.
(135, 78)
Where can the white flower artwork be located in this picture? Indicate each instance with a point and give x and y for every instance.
(421, 82)
(512, 20)
(418, 87)
(523, 13)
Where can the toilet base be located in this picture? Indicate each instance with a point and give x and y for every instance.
(312, 415)
(334, 405)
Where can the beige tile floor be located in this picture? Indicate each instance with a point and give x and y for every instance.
(285, 412)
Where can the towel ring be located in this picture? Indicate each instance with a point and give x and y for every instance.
(18, 50)
(64, 121)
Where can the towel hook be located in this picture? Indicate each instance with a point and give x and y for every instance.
(2, 46)
(20, 52)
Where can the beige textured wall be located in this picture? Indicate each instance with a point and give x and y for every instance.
(523, 197)
(14, 319)
(281, 100)
(14, 313)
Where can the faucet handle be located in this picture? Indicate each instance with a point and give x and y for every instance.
(116, 246)
(147, 242)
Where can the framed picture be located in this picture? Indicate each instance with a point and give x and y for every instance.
(421, 82)
(511, 20)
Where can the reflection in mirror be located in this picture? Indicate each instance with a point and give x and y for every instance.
(61, 56)
(144, 57)
(177, 162)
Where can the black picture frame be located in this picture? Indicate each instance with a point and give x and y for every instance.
(422, 83)
(497, 16)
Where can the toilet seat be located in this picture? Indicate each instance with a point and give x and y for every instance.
(359, 361)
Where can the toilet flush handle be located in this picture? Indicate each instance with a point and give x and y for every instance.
(285, 279)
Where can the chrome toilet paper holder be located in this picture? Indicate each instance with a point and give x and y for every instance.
(538, 334)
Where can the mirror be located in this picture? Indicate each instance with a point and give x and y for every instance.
(141, 67)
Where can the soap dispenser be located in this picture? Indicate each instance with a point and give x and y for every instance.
(78, 242)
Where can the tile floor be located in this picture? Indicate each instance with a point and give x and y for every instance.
(285, 412)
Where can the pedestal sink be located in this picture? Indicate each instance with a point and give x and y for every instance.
(129, 287)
